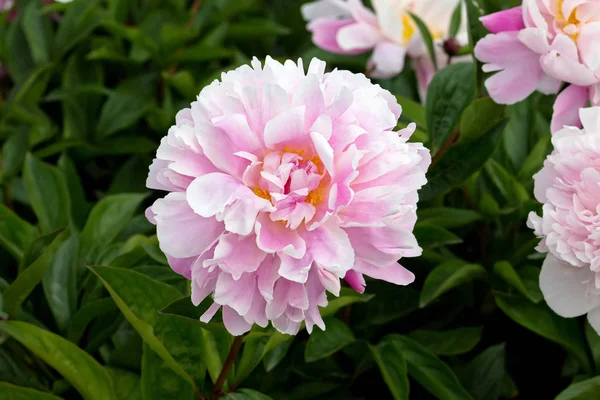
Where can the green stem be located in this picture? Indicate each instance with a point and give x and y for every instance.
(233, 352)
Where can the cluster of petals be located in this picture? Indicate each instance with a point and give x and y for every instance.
(568, 187)
(348, 27)
(541, 45)
(283, 182)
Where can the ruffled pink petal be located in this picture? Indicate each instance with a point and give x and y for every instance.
(566, 107)
(358, 37)
(562, 62)
(587, 43)
(325, 32)
(520, 70)
(181, 232)
(237, 255)
(286, 129)
(387, 60)
(394, 273)
(564, 288)
(356, 280)
(273, 237)
(502, 21)
(235, 323)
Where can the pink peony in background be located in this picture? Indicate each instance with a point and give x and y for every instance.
(540, 45)
(568, 186)
(348, 27)
(282, 183)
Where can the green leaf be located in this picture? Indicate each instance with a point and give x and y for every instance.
(38, 32)
(446, 217)
(80, 19)
(159, 381)
(507, 185)
(543, 321)
(435, 376)
(486, 376)
(476, 33)
(593, 340)
(412, 111)
(322, 344)
(74, 364)
(535, 159)
(125, 106)
(479, 115)
(460, 162)
(13, 153)
(390, 360)
(347, 296)
(252, 354)
(275, 356)
(448, 343)
(13, 392)
(79, 206)
(42, 179)
(446, 276)
(427, 38)
(60, 280)
(29, 278)
(506, 271)
(451, 90)
(584, 390)
(456, 20)
(86, 314)
(107, 219)
(127, 384)
(246, 394)
(184, 307)
(432, 236)
(15, 234)
(178, 341)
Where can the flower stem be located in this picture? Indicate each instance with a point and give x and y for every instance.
(233, 351)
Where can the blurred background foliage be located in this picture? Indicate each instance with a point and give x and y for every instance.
(87, 90)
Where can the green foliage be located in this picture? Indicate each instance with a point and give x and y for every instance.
(90, 309)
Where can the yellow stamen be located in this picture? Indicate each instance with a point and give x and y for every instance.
(262, 193)
(315, 196)
(409, 27)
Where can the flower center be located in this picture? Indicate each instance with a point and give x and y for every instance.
(569, 25)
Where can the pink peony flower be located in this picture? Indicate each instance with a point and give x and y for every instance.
(282, 183)
(348, 27)
(540, 45)
(569, 227)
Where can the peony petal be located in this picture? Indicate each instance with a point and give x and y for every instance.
(181, 232)
(566, 107)
(394, 273)
(358, 37)
(235, 324)
(562, 62)
(564, 288)
(593, 318)
(502, 21)
(325, 33)
(237, 254)
(273, 237)
(387, 60)
(590, 117)
(286, 129)
(356, 281)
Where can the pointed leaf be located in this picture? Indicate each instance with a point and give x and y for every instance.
(13, 392)
(446, 276)
(390, 360)
(448, 343)
(584, 390)
(322, 344)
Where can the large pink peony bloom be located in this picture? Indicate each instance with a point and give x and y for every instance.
(541, 45)
(348, 27)
(282, 183)
(568, 186)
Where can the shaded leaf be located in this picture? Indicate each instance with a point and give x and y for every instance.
(322, 344)
(390, 360)
(505, 270)
(16, 234)
(448, 343)
(446, 276)
(12, 392)
(432, 236)
(159, 381)
(584, 390)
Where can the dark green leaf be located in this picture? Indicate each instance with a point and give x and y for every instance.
(435, 376)
(15, 234)
(535, 159)
(275, 356)
(108, 217)
(75, 365)
(13, 153)
(478, 116)
(584, 390)
(246, 394)
(37, 30)
(486, 376)
(427, 38)
(160, 382)
(543, 321)
(79, 206)
(447, 217)
(391, 362)
(448, 343)
(412, 111)
(446, 276)
(81, 18)
(505, 270)
(449, 93)
(252, 354)
(460, 162)
(432, 236)
(127, 385)
(476, 32)
(456, 20)
(60, 280)
(184, 307)
(12, 392)
(325, 343)
(40, 180)
(86, 314)
(593, 340)
(347, 296)
(30, 277)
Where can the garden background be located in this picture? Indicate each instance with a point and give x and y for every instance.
(90, 309)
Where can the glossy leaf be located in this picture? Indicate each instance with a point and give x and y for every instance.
(40, 180)
(427, 38)
(447, 217)
(505, 271)
(16, 234)
(390, 360)
(446, 276)
(77, 366)
(543, 321)
(477, 116)
(432, 236)
(584, 390)
(486, 376)
(435, 376)
(450, 342)
(324, 343)
(127, 384)
(158, 380)
(13, 392)
(30, 277)
(449, 93)
(246, 394)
